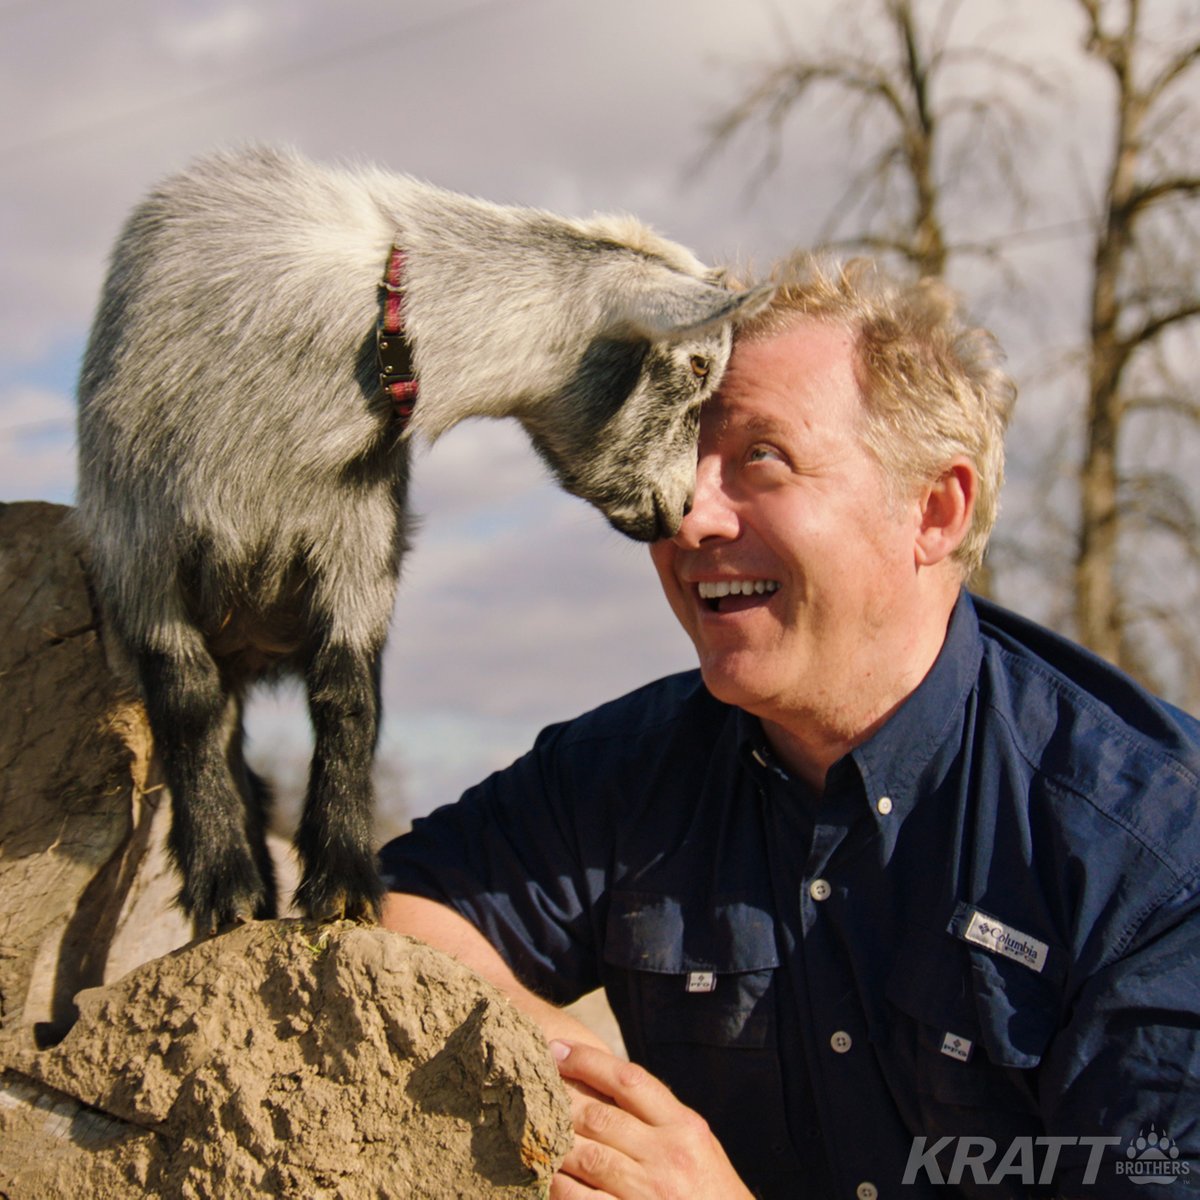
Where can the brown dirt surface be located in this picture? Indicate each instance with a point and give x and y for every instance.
(287, 1059)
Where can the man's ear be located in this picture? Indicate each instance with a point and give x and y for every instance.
(946, 509)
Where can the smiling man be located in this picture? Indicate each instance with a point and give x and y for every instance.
(814, 597)
(898, 893)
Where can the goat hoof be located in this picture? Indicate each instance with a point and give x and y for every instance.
(224, 909)
(353, 893)
(343, 907)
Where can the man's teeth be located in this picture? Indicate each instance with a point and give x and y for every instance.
(737, 587)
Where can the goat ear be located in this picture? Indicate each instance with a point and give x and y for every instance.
(676, 305)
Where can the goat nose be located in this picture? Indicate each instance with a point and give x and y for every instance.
(664, 527)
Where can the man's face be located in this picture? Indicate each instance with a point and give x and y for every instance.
(792, 519)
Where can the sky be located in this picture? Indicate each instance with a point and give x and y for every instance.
(518, 605)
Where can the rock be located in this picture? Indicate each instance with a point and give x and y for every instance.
(283, 1059)
(86, 887)
(286, 1059)
(77, 800)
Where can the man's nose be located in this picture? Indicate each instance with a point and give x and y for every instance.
(710, 513)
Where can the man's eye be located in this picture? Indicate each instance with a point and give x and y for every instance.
(762, 454)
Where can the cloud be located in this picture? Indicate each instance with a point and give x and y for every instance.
(229, 31)
(513, 602)
(522, 101)
(23, 407)
(518, 604)
(37, 444)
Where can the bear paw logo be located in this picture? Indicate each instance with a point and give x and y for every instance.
(1153, 1158)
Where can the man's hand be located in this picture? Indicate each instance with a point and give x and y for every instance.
(642, 1144)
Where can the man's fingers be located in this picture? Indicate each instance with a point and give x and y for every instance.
(564, 1187)
(609, 1127)
(578, 1091)
(633, 1089)
(603, 1169)
(639, 1143)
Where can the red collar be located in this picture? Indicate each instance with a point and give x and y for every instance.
(393, 353)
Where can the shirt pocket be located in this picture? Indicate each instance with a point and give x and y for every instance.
(695, 995)
(707, 979)
(975, 1026)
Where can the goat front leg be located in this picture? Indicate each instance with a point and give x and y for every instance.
(194, 718)
(340, 877)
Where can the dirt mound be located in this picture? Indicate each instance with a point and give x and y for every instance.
(286, 1059)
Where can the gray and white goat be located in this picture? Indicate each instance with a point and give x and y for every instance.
(243, 475)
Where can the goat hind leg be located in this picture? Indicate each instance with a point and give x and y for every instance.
(340, 878)
(194, 717)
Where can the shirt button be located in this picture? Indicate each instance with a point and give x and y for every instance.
(867, 1191)
(841, 1041)
(884, 805)
(819, 889)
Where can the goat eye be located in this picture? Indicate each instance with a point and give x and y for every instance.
(699, 366)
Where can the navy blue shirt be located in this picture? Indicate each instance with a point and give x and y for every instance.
(984, 932)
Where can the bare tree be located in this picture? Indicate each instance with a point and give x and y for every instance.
(939, 118)
(1143, 305)
(941, 123)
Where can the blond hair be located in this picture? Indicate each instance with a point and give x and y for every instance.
(932, 385)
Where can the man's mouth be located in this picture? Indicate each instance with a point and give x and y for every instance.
(726, 595)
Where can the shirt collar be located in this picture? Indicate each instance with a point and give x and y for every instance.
(890, 765)
(894, 761)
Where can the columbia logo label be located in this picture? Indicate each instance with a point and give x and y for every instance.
(701, 981)
(956, 1046)
(994, 935)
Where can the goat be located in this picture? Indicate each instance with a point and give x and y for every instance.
(244, 454)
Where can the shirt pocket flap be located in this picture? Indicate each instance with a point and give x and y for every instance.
(700, 977)
(952, 989)
(652, 933)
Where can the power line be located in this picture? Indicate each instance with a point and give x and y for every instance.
(1042, 233)
(23, 429)
(249, 83)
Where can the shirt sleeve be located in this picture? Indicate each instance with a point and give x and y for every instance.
(509, 857)
(1126, 1064)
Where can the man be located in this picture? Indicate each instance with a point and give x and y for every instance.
(899, 894)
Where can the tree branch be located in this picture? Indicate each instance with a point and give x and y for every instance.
(1003, 64)
(1092, 10)
(872, 179)
(1160, 502)
(1172, 71)
(1153, 326)
(1175, 406)
(1147, 194)
(875, 242)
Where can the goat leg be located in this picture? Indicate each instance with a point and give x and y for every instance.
(340, 878)
(194, 718)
